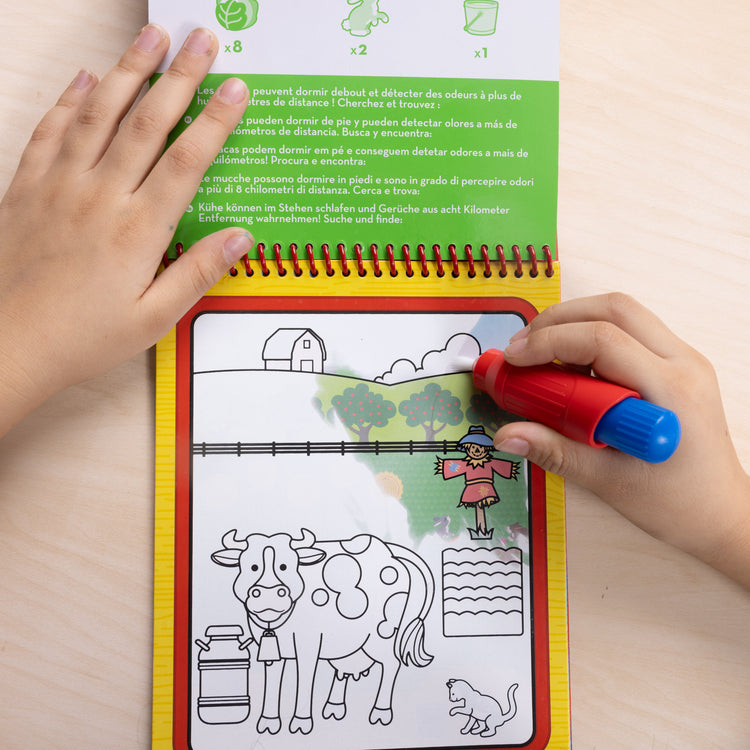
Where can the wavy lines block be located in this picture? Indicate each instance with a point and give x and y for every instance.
(482, 591)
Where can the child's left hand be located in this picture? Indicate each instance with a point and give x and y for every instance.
(90, 211)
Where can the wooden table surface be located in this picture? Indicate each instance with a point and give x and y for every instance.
(654, 186)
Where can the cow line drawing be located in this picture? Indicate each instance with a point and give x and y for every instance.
(354, 603)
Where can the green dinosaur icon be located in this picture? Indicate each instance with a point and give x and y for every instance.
(236, 15)
(363, 17)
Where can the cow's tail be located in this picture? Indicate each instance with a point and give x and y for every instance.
(409, 645)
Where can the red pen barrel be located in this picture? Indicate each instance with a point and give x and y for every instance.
(558, 397)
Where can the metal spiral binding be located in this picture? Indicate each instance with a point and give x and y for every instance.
(474, 267)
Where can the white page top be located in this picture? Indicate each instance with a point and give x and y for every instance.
(501, 39)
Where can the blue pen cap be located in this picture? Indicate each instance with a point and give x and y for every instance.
(641, 429)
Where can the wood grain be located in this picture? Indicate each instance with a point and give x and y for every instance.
(654, 179)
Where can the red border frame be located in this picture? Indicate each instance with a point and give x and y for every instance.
(183, 457)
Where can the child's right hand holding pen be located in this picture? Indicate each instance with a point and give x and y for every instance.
(699, 499)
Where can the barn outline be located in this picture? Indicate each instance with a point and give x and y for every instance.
(294, 350)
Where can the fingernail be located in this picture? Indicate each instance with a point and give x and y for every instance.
(522, 334)
(82, 80)
(199, 42)
(233, 91)
(236, 246)
(517, 346)
(149, 38)
(515, 446)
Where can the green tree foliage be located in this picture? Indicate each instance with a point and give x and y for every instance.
(360, 409)
(433, 408)
(483, 410)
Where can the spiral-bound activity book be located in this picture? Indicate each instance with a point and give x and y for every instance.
(342, 558)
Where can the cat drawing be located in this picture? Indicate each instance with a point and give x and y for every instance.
(485, 713)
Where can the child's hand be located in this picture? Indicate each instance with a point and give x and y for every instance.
(90, 212)
(699, 499)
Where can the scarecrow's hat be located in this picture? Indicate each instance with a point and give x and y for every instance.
(476, 435)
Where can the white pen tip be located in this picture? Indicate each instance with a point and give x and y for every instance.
(463, 364)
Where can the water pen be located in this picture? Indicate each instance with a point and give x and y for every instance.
(581, 407)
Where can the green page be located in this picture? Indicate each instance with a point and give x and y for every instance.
(382, 124)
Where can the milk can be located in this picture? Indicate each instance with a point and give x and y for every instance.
(223, 664)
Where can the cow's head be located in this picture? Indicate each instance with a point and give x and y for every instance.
(268, 582)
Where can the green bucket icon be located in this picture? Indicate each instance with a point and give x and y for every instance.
(481, 17)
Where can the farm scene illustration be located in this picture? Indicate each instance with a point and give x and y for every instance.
(357, 541)
(432, 416)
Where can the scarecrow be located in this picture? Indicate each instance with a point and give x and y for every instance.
(477, 469)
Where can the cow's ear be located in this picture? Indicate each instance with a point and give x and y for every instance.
(310, 555)
(229, 558)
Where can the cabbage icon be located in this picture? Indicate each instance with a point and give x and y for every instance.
(236, 15)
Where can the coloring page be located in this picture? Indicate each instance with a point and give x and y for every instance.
(361, 567)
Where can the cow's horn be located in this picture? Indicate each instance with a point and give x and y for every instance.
(230, 541)
(307, 540)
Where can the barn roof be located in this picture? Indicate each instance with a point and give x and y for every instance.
(280, 344)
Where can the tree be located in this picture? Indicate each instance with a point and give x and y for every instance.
(360, 409)
(483, 410)
(431, 407)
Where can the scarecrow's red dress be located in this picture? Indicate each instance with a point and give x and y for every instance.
(480, 489)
